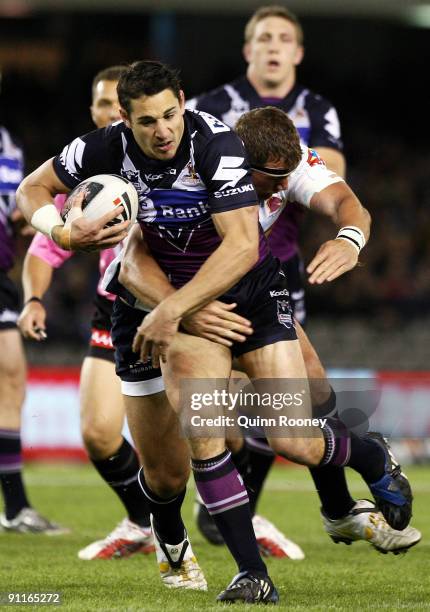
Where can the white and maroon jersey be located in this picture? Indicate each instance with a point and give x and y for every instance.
(209, 174)
(316, 121)
(311, 176)
(45, 249)
(11, 174)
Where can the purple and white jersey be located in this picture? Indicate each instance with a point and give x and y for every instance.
(311, 176)
(11, 174)
(316, 121)
(209, 174)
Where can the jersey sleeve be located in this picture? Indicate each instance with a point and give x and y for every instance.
(226, 173)
(311, 176)
(85, 156)
(325, 124)
(45, 249)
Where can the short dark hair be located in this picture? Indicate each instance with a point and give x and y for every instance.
(112, 73)
(269, 134)
(146, 78)
(273, 10)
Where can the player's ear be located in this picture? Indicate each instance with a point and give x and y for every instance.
(124, 117)
(300, 53)
(181, 99)
(246, 51)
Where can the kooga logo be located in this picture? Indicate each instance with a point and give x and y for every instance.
(278, 293)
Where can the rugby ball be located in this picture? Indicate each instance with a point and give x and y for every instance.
(103, 193)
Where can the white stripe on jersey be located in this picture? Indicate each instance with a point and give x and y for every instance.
(71, 156)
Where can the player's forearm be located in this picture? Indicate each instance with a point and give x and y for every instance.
(223, 269)
(339, 202)
(141, 274)
(351, 213)
(36, 277)
(145, 279)
(35, 199)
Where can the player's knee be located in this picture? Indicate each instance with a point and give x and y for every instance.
(168, 481)
(98, 437)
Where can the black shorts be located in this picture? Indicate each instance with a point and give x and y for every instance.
(9, 302)
(262, 297)
(137, 378)
(294, 271)
(100, 344)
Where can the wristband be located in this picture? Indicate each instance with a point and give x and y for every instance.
(33, 298)
(45, 218)
(353, 235)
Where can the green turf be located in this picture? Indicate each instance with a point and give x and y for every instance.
(332, 577)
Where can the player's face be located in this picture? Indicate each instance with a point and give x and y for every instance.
(266, 185)
(105, 106)
(273, 51)
(157, 123)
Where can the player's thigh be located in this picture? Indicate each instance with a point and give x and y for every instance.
(278, 360)
(157, 434)
(318, 381)
(12, 378)
(196, 366)
(102, 406)
(190, 357)
(278, 371)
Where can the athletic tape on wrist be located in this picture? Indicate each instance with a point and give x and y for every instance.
(44, 219)
(353, 235)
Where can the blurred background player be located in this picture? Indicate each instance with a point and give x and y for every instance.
(102, 408)
(18, 514)
(273, 49)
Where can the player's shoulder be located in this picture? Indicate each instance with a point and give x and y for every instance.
(313, 100)
(204, 127)
(310, 159)
(112, 134)
(217, 96)
(101, 141)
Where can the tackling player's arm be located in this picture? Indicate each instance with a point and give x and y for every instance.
(335, 257)
(144, 278)
(35, 198)
(233, 258)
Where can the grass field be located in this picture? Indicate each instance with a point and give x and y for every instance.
(332, 577)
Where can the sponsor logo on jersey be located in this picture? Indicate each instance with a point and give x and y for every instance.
(279, 293)
(188, 212)
(284, 313)
(157, 177)
(235, 191)
(101, 338)
(314, 158)
(190, 177)
(229, 170)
